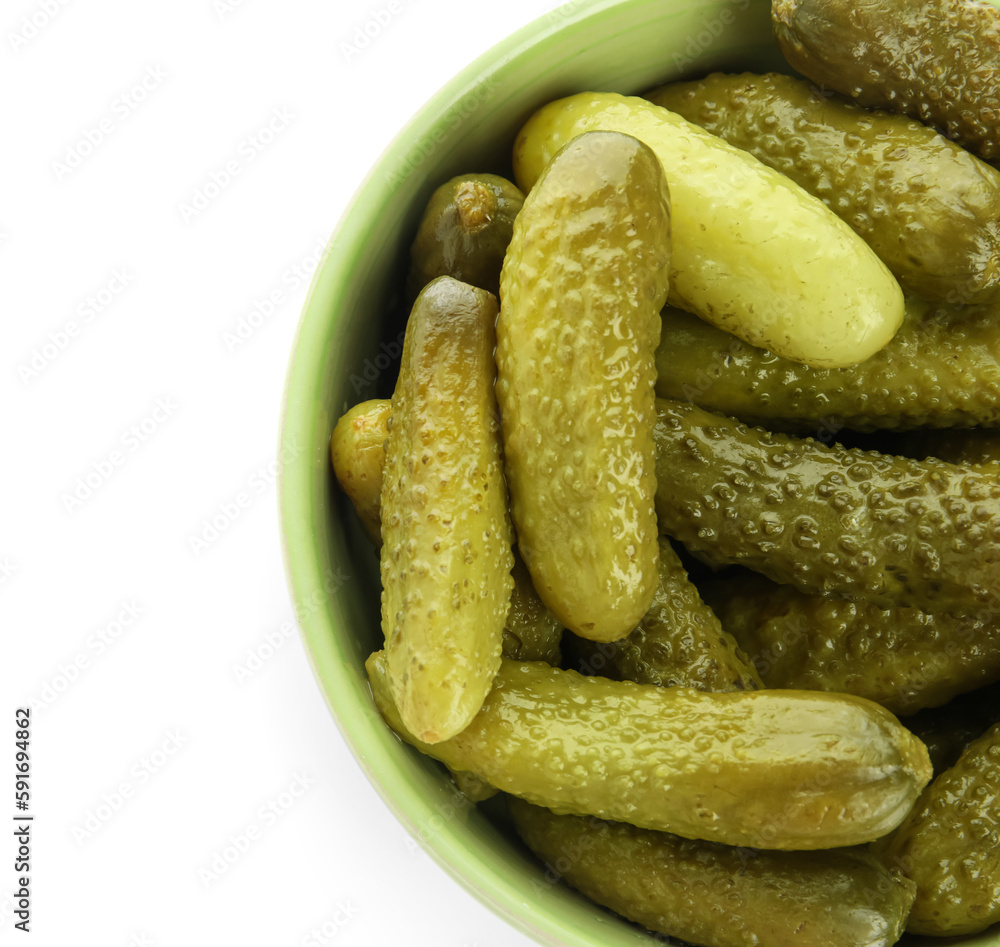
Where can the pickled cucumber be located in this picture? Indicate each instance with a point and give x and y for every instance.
(941, 370)
(446, 538)
(472, 786)
(828, 520)
(718, 895)
(768, 769)
(582, 286)
(927, 207)
(678, 643)
(937, 61)
(531, 632)
(902, 658)
(753, 252)
(946, 731)
(357, 450)
(950, 845)
(464, 232)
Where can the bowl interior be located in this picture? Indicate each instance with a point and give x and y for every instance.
(347, 349)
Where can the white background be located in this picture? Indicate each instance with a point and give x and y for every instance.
(176, 721)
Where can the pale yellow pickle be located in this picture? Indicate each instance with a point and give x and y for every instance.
(753, 253)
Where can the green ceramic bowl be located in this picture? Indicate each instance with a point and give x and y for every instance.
(346, 350)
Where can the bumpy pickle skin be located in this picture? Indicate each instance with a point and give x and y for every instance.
(950, 845)
(767, 769)
(828, 520)
(464, 232)
(531, 632)
(753, 253)
(582, 286)
(717, 895)
(941, 370)
(937, 61)
(357, 450)
(446, 538)
(678, 643)
(901, 658)
(927, 207)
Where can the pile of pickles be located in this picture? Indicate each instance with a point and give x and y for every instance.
(687, 499)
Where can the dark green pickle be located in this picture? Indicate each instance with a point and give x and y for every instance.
(532, 632)
(902, 658)
(678, 643)
(464, 232)
(828, 520)
(942, 370)
(937, 61)
(946, 731)
(719, 895)
(926, 206)
(949, 845)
